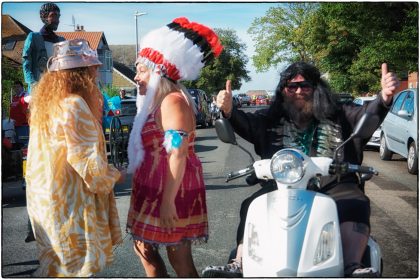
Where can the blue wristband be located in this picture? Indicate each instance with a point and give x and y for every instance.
(173, 139)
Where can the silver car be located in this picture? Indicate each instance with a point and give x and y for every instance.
(399, 129)
(374, 141)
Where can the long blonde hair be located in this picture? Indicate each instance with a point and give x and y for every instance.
(165, 87)
(55, 86)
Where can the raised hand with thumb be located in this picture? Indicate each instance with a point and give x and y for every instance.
(389, 84)
(224, 99)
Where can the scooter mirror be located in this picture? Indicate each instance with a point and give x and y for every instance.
(225, 131)
(366, 126)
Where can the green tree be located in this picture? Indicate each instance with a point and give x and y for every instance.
(10, 73)
(231, 64)
(351, 40)
(281, 35)
(348, 41)
(111, 90)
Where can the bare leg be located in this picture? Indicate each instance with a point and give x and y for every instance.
(354, 237)
(151, 260)
(181, 260)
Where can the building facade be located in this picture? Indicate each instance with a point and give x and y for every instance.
(97, 41)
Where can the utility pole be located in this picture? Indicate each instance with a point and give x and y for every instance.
(137, 14)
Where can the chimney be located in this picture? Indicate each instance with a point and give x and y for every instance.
(80, 28)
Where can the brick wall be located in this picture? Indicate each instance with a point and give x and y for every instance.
(413, 81)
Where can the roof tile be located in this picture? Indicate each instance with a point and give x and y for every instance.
(94, 38)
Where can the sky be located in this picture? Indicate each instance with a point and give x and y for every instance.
(117, 21)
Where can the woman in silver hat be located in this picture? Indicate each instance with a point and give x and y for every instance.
(69, 182)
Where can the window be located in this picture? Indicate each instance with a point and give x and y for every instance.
(108, 60)
(128, 108)
(398, 102)
(105, 56)
(9, 46)
(409, 103)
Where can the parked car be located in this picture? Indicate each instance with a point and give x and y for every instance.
(375, 140)
(236, 101)
(399, 130)
(127, 111)
(262, 100)
(203, 116)
(245, 99)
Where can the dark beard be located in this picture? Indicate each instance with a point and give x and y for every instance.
(51, 27)
(301, 117)
(48, 35)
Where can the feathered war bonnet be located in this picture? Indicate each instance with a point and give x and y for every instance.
(177, 51)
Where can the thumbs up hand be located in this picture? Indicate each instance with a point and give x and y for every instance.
(224, 99)
(389, 84)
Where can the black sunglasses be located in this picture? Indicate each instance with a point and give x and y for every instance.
(305, 86)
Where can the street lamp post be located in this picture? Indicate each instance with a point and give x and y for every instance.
(137, 14)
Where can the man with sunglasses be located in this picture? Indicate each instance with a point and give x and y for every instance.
(306, 116)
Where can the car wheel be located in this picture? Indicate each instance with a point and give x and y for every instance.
(384, 152)
(412, 159)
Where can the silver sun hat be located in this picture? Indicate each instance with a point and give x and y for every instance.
(71, 54)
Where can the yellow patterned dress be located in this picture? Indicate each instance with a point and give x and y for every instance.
(69, 194)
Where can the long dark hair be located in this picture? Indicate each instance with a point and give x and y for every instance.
(324, 104)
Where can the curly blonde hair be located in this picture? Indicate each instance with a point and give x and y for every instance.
(55, 86)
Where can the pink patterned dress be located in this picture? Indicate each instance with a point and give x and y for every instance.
(147, 190)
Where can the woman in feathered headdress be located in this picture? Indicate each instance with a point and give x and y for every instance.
(168, 201)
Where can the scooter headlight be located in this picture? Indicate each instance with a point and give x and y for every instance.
(287, 166)
(325, 247)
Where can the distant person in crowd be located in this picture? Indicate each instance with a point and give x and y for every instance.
(7, 141)
(8, 128)
(38, 46)
(70, 197)
(123, 94)
(19, 112)
(168, 199)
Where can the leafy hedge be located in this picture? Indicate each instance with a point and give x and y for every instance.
(9, 74)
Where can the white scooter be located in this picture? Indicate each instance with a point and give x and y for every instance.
(294, 231)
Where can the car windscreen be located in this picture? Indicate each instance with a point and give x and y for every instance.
(128, 108)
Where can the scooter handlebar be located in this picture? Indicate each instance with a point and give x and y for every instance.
(240, 173)
(362, 169)
(344, 168)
